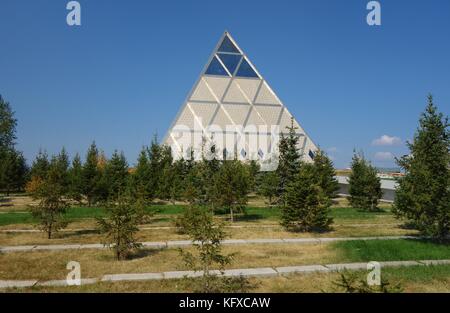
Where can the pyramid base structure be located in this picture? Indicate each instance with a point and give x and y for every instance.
(232, 112)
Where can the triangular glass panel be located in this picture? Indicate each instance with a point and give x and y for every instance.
(245, 70)
(215, 68)
(231, 61)
(228, 46)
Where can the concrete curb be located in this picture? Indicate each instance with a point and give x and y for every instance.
(185, 243)
(246, 272)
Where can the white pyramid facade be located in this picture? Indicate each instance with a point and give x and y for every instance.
(232, 107)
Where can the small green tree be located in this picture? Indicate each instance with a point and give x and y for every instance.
(351, 283)
(364, 184)
(207, 237)
(423, 194)
(326, 174)
(289, 159)
(40, 165)
(268, 185)
(13, 170)
(91, 174)
(306, 205)
(140, 179)
(76, 179)
(231, 187)
(52, 205)
(121, 227)
(116, 175)
(8, 125)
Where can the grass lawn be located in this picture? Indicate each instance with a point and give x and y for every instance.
(251, 214)
(94, 263)
(386, 250)
(411, 279)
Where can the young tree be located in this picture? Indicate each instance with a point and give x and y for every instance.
(91, 174)
(326, 174)
(364, 184)
(121, 227)
(40, 166)
(207, 237)
(116, 175)
(231, 186)
(423, 194)
(13, 170)
(307, 204)
(51, 194)
(268, 185)
(8, 125)
(141, 178)
(76, 179)
(289, 159)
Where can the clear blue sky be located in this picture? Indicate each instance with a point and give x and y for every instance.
(122, 74)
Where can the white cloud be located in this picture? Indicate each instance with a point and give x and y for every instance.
(384, 156)
(386, 140)
(332, 149)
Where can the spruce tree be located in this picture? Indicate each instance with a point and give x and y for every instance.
(8, 125)
(306, 203)
(141, 177)
(289, 158)
(91, 174)
(364, 184)
(326, 174)
(116, 175)
(13, 170)
(76, 179)
(51, 194)
(423, 194)
(120, 227)
(231, 187)
(40, 165)
(268, 185)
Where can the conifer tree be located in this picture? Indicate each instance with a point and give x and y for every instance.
(231, 186)
(40, 165)
(8, 125)
(306, 204)
(116, 175)
(13, 170)
(120, 227)
(326, 174)
(141, 178)
(51, 194)
(91, 174)
(207, 237)
(268, 185)
(364, 184)
(423, 194)
(289, 158)
(76, 179)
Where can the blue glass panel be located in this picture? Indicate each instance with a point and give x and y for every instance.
(215, 68)
(231, 61)
(227, 46)
(311, 154)
(245, 70)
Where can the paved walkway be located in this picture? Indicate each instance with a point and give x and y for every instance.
(247, 272)
(182, 243)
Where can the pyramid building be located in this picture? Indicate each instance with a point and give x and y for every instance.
(233, 109)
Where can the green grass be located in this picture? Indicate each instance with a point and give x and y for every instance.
(420, 274)
(252, 213)
(352, 213)
(15, 218)
(391, 250)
